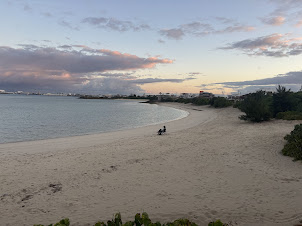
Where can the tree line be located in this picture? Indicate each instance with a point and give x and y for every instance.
(263, 106)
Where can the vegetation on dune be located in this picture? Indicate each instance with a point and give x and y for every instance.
(283, 100)
(256, 107)
(293, 147)
(220, 102)
(139, 220)
(262, 106)
(217, 102)
(289, 115)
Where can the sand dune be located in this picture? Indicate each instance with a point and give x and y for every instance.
(208, 166)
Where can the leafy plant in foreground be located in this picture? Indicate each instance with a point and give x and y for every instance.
(217, 223)
(63, 222)
(293, 147)
(139, 220)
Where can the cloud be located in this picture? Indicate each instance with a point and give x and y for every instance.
(274, 21)
(299, 23)
(294, 77)
(275, 45)
(198, 29)
(289, 9)
(68, 67)
(157, 80)
(47, 14)
(176, 34)
(284, 6)
(225, 20)
(68, 25)
(27, 8)
(115, 24)
(291, 80)
(111, 86)
(161, 41)
(194, 74)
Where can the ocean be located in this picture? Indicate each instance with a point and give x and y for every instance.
(35, 117)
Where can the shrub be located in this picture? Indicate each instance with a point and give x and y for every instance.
(200, 101)
(284, 100)
(217, 223)
(220, 102)
(257, 107)
(64, 222)
(139, 220)
(237, 104)
(289, 115)
(183, 100)
(293, 147)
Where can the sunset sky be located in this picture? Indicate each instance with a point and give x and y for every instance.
(140, 46)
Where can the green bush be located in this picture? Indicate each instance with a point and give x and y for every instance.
(237, 104)
(63, 222)
(217, 223)
(200, 101)
(220, 102)
(257, 107)
(139, 220)
(289, 115)
(293, 147)
(183, 100)
(284, 100)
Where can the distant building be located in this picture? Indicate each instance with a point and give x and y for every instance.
(167, 96)
(234, 97)
(206, 95)
(187, 95)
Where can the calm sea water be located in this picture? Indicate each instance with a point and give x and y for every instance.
(24, 118)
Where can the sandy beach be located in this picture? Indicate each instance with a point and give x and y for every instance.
(208, 166)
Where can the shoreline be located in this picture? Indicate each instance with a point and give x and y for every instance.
(106, 137)
(103, 132)
(208, 166)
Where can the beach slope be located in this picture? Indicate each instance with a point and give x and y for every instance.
(208, 166)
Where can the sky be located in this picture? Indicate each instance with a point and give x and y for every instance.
(148, 47)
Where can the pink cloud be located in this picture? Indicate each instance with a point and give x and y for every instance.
(275, 45)
(299, 23)
(274, 21)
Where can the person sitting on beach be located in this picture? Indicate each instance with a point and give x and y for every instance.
(159, 132)
(164, 129)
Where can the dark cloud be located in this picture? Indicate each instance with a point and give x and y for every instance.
(117, 75)
(68, 67)
(115, 24)
(275, 45)
(291, 80)
(111, 86)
